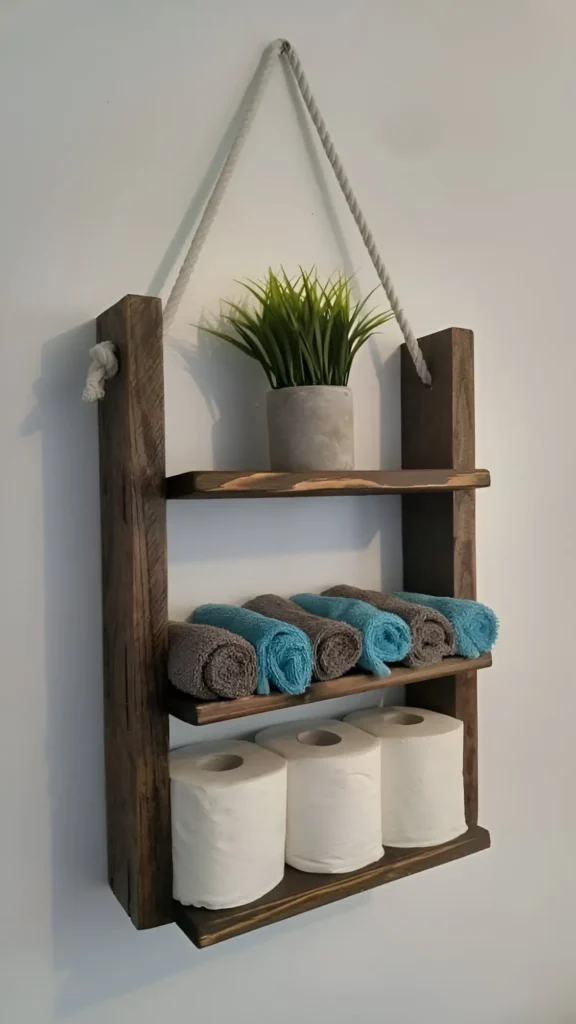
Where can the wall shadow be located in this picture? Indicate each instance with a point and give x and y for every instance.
(386, 365)
(234, 388)
(96, 951)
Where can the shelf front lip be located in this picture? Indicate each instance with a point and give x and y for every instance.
(187, 709)
(259, 484)
(300, 892)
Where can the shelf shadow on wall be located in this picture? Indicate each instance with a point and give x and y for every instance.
(215, 537)
(97, 952)
(233, 387)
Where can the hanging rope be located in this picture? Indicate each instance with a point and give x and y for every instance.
(281, 47)
(290, 57)
(259, 84)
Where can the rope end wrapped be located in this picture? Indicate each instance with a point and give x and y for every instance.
(103, 367)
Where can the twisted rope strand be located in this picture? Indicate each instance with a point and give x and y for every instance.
(259, 84)
(290, 57)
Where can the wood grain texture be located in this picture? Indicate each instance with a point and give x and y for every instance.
(206, 712)
(299, 891)
(215, 484)
(134, 580)
(438, 531)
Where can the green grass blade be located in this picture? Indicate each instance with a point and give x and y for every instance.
(302, 331)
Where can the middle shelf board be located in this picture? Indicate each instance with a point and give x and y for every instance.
(216, 484)
(196, 712)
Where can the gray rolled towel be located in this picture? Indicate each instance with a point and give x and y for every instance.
(432, 634)
(209, 662)
(336, 645)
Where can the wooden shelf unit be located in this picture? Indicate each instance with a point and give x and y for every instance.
(438, 538)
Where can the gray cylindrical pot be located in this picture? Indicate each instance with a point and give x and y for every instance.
(311, 428)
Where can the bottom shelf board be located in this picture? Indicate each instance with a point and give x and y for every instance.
(299, 891)
(196, 712)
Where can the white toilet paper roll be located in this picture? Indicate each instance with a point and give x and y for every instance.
(333, 795)
(422, 781)
(228, 823)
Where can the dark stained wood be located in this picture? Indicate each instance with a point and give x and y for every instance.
(439, 556)
(215, 484)
(439, 533)
(438, 422)
(134, 579)
(299, 891)
(206, 712)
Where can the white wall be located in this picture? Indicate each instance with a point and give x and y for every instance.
(456, 124)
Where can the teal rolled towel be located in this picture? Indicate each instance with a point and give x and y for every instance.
(385, 637)
(283, 652)
(475, 625)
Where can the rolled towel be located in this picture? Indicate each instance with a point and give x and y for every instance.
(475, 625)
(385, 637)
(336, 645)
(209, 663)
(432, 635)
(283, 652)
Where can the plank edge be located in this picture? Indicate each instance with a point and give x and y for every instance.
(216, 484)
(199, 713)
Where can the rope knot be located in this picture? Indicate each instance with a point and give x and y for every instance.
(103, 367)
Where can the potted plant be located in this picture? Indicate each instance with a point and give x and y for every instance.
(305, 335)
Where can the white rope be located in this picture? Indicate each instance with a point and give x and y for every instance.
(102, 367)
(290, 57)
(259, 84)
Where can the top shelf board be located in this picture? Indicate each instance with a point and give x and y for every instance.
(215, 484)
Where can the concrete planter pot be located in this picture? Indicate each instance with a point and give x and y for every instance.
(311, 428)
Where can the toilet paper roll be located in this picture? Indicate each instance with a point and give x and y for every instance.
(228, 823)
(333, 822)
(422, 781)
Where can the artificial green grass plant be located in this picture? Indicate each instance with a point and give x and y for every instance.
(302, 332)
